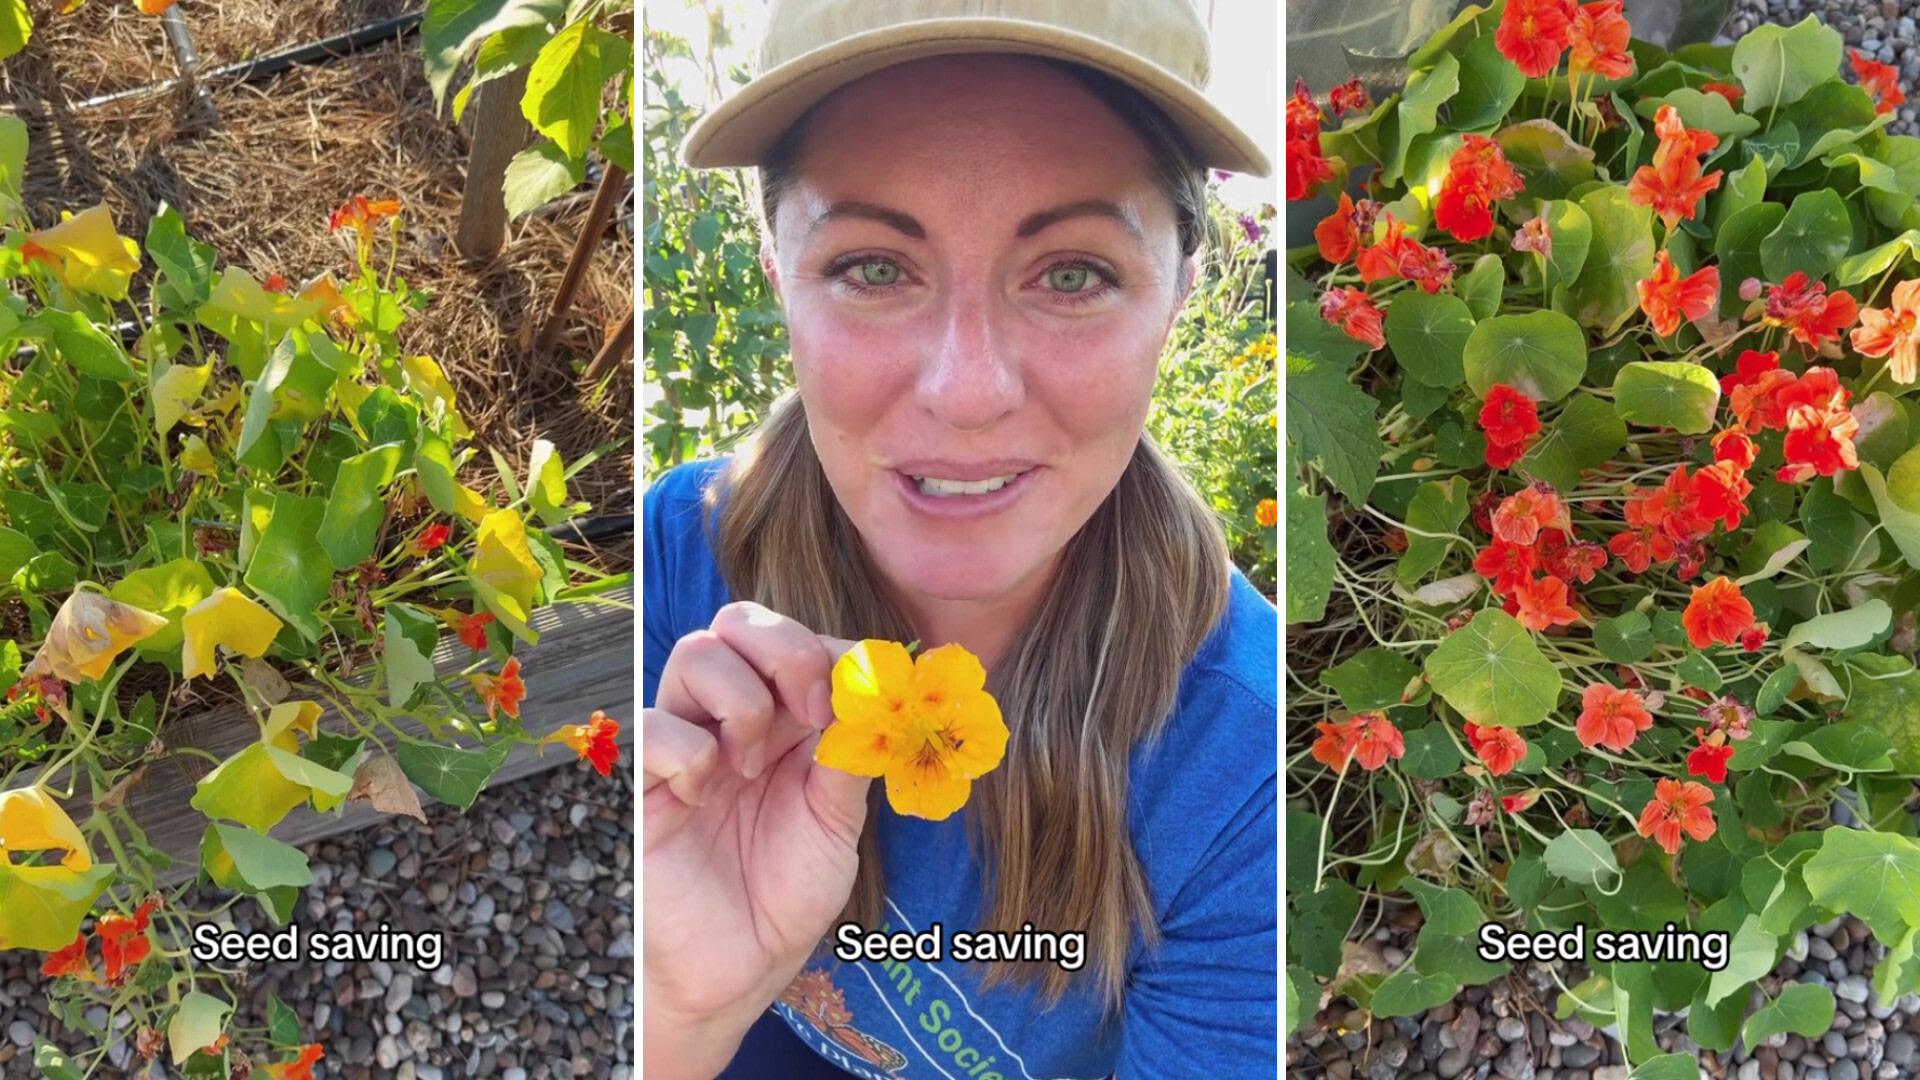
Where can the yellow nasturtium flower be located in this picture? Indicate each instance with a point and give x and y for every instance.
(87, 633)
(228, 617)
(31, 821)
(929, 726)
(85, 252)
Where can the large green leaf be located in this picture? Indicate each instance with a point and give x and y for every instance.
(1430, 753)
(1777, 65)
(41, 906)
(566, 80)
(1847, 629)
(409, 637)
(1571, 236)
(290, 570)
(1884, 692)
(1702, 112)
(1542, 354)
(1370, 679)
(1621, 256)
(1812, 238)
(248, 861)
(538, 175)
(1333, 420)
(354, 511)
(1895, 497)
(1551, 165)
(1407, 992)
(1743, 187)
(1492, 672)
(452, 29)
(1902, 154)
(1584, 436)
(1489, 85)
(1310, 557)
(1874, 875)
(1667, 393)
(1428, 332)
(450, 774)
(1737, 246)
(1416, 113)
(1751, 954)
(1625, 639)
(1582, 857)
(1436, 511)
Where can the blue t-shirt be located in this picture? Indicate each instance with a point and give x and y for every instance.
(1201, 811)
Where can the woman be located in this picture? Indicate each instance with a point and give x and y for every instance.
(981, 231)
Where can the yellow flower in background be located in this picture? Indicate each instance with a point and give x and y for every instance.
(31, 821)
(87, 633)
(927, 725)
(85, 252)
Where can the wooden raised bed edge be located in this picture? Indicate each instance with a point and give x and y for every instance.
(584, 661)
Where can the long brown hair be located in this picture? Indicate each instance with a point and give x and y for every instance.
(1092, 672)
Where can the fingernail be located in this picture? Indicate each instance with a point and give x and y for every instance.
(822, 706)
(756, 760)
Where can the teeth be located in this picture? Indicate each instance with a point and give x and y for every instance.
(933, 485)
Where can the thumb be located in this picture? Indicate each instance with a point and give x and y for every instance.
(820, 702)
(838, 799)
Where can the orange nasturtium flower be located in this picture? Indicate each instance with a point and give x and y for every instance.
(1666, 296)
(471, 628)
(1266, 513)
(1501, 748)
(1532, 34)
(1893, 330)
(123, 939)
(1716, 613)
(1677, 805)
(154, 7)
(592, 741)
(300, 1068)
(1880, 80)
(1599, 41)
(504, 691)
(361, 213)
(1610, 717)
(430, 537)
(1673, 185)
(927, 724)
(71, 960)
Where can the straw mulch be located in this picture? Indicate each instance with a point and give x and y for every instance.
(258, 186)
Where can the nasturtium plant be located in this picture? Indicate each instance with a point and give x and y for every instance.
(1603, 509)
(213, 480)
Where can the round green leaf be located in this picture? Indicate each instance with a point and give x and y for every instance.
(1542, 354)
(248, 861)
(1489, 85)
(1847, 629)
(1582, 857)
(196, 1024)
(1702, 112)
(1625, 639)
(1428, 333)
(1667, 393)
(1777, 65)
(1430, 753)
(1481, 286)
(1570, 235)
(1407, 992)
(1492, 672)
(1737, 246)
(1549, 162)
(1802, 1008)
(1585, 435)
(354, 508)
(1620, 257)
(1813, 237)
(450, 774)
(1874, 875)
(1372, 679)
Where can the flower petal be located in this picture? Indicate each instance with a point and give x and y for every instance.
(930, 791)
(858, 746)
(871, 682)
(228, 617)
(977, 735)
(31, 821)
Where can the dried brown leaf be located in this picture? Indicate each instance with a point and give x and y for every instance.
(379, 782)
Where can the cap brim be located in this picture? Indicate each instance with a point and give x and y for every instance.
(743, 127)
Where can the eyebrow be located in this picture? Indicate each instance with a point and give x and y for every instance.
(1029, 227)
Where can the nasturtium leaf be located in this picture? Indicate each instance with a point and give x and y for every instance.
(1550, 163)
(1813, 237)
(1875, 261)
(1751, 954)
(1901, 523)
(547, 484)
(354, 510)
(197, 1023)
(1430, 753)
(433, 460)
(1303, 997)
(1407, 992)
(503, 571)
(1419, 400)
(1321, 921)
(53, 1062)
(1772, 546)
(82, 344)
(1332, 420)
(1489, 85)
(1492, 672)
(326, 786)
(1697, 671)
(1618, 259)
(247, 861)
(175, 392)
(409, 637)
(1777, 65)
(1847, 629)
(259, 785)
(1460, 447)
(169, 590)
(1902, 154)
(1884, 692)
(387, 417)
(449, 774)
(1898, 972)
(1737, 246)
(1543, 354)
(227, 617)
(1874, 875)
(1585, 435)
(1581, 856)
(1667, 1067)
(1436, 511)
(1416, 113)
(1647, 900)
(1310, 556)
(1742, 187)
(1667, 393)
(1572, 233)
(337, 752)
(1428, 333)
(1371, 679)
(1481, 287)
(186, 265)
(1847, 747)
(1624, 639)
(41, 906)
(1773, 692)
(283, 1024)
(425, 378)
(290, 570)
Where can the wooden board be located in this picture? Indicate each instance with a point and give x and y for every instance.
(584, 661)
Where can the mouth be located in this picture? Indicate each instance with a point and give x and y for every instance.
(944, 488)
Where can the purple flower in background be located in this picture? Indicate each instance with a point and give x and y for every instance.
(1222, 175)
(1250, 227)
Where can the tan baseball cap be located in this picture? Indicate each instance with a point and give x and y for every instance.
(814, 47)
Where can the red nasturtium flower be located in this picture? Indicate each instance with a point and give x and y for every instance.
(1508, 565)
(1730, 91)
(592, 741)
(1543, 603)
(1349, 96)
(361, 213)
(1337, 236)
(1733, 446)
(1709, 759)
(123, 939)
(1266, 513)
(1880, 80)
(430, 537)
(1893, 330)
(1599, 41)
(1610, 717)
(1720, 493)
(1672, 185)
(1477, 177)
(1666, 296)
(1353, 312)
(1399, 255)
(1643, 543)
(71, 960)
(1524, 513)
(1532, 34)
(504, 691)
(300, 1068)
(473, 629)
(1677, 806)
(1808, 312)
(1500, 748)
(1519, 801)
(1368, 738)
(1307, 167)
(1716, 614)
(1566, 558)
(1819, 441)
(1509, 418)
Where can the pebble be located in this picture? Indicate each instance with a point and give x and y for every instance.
(1851, 987)
(1901, 1048)
(21, 1033)
(1580, 1055)
(380, 863)
(1511, 1029)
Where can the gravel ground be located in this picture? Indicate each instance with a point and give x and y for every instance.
(533, 889)
(1506, 1030)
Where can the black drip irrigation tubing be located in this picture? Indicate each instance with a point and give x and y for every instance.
(323, 51)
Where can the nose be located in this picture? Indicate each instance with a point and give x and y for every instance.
(971, 377)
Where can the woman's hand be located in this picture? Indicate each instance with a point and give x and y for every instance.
(750, 847)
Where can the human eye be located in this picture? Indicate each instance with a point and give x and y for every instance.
(1077, 281)
(866, 274)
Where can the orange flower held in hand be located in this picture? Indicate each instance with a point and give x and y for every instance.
(928, 724)
(1677, 806)
(1893, 330)
(1666, 296)
(1716, 613)
(504, 691)
(1610, 717)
